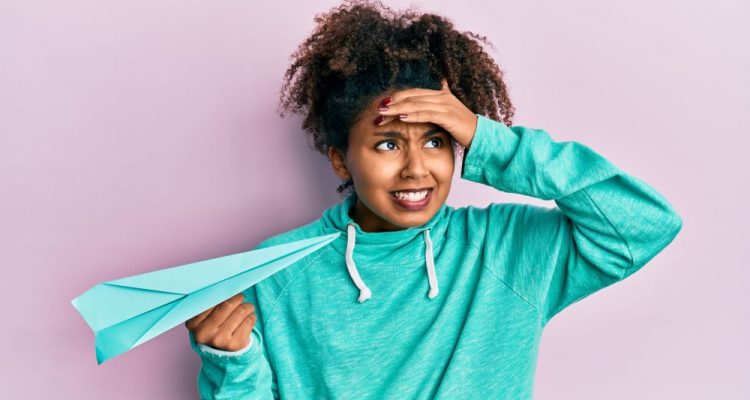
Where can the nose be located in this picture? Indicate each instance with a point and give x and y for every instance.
(415, 166)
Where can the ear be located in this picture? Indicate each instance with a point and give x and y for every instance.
(336, 157)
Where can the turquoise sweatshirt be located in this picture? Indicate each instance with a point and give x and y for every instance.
(456, 307)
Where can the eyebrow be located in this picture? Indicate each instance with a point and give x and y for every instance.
(398, 134)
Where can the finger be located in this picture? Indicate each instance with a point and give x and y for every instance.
(223, 310)
(385, 120)
(435, 97)
(236, 318)
(428, 116)
(410, 107)
(417, 92)
(235, 300)
(195, 321)
(411, 92)
(243, 332)
(247, 324)
(238, 298)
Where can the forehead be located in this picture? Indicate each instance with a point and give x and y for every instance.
(365, 129)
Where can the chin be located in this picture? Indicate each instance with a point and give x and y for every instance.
(408, 222)
(408, 219)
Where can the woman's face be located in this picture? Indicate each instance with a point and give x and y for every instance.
(395, 156)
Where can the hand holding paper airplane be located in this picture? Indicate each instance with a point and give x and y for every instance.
(127, 312)
(226, 326)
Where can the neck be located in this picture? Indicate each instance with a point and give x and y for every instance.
(368, 220)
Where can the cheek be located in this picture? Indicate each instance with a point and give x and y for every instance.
(372, 173)
(376, 172)
(444, 168)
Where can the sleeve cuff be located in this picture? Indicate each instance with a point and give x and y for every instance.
(245, 355)
(223, 353)
(493, 144)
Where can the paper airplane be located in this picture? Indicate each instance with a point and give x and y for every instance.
(127, 312)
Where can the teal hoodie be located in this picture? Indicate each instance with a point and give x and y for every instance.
(456, 307)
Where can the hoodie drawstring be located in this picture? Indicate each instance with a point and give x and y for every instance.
(364, 291)
(430, 266)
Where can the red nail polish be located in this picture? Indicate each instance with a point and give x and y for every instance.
(378, 120)
(387, 100)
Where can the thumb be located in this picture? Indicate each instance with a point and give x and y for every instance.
(444, 84)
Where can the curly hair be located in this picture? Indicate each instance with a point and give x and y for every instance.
(362, 48)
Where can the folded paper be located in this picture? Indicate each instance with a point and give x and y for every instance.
(127, 312)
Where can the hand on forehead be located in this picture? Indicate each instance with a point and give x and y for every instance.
(427, 106)
(393, 105)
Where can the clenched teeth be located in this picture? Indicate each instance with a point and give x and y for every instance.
(411, 196)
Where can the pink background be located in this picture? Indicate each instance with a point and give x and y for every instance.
(142, 135)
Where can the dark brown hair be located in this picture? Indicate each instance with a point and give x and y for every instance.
(361, 49)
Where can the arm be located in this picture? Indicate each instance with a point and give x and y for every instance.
(606, 226)
(243, 374)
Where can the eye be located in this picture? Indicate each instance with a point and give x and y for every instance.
(384, 142)
(436, 139)
(387, 142)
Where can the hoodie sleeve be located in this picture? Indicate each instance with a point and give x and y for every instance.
(243, 374)
(606, 226)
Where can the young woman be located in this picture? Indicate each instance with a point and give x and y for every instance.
(417, 299)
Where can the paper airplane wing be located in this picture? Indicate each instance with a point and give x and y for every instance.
(127, 312)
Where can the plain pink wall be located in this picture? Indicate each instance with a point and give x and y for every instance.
(141, 135)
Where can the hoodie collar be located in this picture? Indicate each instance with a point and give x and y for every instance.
(408, 246)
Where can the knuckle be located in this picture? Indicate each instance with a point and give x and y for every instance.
(219, 341)
(231, 347)
(229, 305)
(240, 296)
(201, 337)
(225, 333)
(240, 310)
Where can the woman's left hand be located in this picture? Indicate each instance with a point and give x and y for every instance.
(439, 107)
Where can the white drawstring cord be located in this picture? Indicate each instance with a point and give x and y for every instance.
(364, 291)
(431, 276)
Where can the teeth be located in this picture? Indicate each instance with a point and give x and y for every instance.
(411, 196)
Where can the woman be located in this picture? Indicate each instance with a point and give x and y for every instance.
(417, 299)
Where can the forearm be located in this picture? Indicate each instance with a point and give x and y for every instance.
(234, 375)
(607, 225)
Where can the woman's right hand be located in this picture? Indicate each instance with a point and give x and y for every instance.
(225, 326)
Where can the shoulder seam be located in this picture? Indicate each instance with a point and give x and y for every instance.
(283, 290)
(536, 308)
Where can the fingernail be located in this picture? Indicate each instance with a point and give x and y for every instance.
(378, 120)
(387, 100)
(382, 108)
(403, 116)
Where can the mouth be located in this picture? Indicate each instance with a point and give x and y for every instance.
(412, 199)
